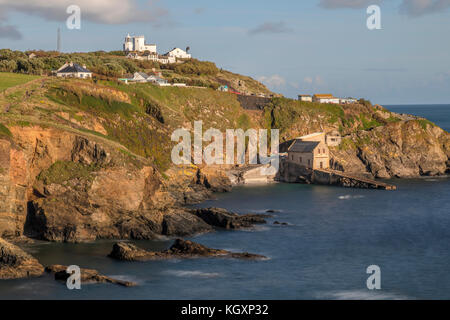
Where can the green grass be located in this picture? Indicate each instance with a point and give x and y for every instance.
(4, 131)
(369, 123)
(347, 144)
(8, 80)
(62, 171)
(424, 123)
(94, 105)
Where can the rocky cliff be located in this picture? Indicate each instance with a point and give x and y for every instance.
(81, 161)
(402, 149)
(376, 142)
(60, 186)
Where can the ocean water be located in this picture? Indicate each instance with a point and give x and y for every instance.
(437, 113)
(333, 235)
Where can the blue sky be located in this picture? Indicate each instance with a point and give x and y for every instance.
(316, 46)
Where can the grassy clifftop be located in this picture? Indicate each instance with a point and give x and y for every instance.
(140, 118)
(113, 65)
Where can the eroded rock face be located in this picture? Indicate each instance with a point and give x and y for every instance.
(222, 218)
(180, 249)
(115, 199)
(87, 276)
(403, 149)
(16, 263)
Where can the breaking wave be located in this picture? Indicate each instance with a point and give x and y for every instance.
(348, 197)
(193, 274)
(361, 295)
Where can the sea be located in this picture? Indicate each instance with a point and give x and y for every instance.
(330, 238)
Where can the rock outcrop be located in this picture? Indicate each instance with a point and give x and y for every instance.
(180, 249)
(59, 186)
(222, 218)
(402, 149)
(88, 276)
(16, 263)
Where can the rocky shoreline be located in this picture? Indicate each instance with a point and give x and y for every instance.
(15, 263)
(180, 249)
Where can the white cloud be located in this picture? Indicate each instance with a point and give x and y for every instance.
(353, 4)
(271, 27)
(98, 11)
(308, 80)
(409, 7)
(274, 81)
(316, 81)
(421, 7)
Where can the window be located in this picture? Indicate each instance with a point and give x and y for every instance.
(319, 151)
(309, 162)
(321, 165)
(301, 160)
(324, 150)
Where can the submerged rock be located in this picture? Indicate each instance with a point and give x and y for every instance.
(16, 263)
(222, 218)
(180, 249)
(87, 276)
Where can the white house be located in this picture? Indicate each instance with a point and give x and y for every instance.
(325, 98)
(73, 70)
(137, 44)
(142, 77)
(139, 77)
(348, 101)
(305, 97)
(179, 54)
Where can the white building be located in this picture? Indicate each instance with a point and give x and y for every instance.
(73, 70)
(305, 97)
(179, 54)
(137, 44)
(348, 101)
(142, 77)
(325, 98)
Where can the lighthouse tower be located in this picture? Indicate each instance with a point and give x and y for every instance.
(128, 45)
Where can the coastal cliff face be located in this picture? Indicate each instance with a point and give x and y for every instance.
(81, 161)
(376, 142)
(59, 186)
(403, 149)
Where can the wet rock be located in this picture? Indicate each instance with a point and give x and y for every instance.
(280, 223)
(180, 249)
(272, 211)
(87, 276)
(16, 263)
(183, 224)
(222, 218)
(214, 180)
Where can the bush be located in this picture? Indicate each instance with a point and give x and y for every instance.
(194, 66)
(365, 103)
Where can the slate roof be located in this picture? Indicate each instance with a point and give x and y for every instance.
(303, 146)
(143, 74)
(74, 68)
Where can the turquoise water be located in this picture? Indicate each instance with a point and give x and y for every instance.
(333, 235)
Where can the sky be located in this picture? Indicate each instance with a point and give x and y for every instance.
(294, 47)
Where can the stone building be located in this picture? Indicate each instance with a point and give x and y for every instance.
(310, 154)
(333, 139)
